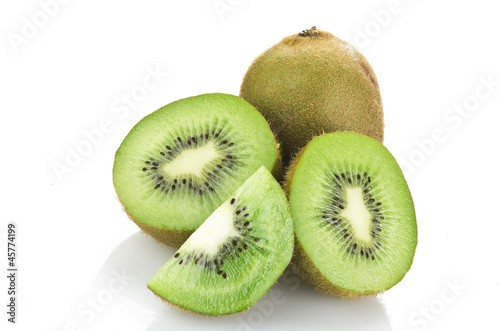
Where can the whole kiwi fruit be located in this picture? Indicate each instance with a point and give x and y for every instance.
(312, 83)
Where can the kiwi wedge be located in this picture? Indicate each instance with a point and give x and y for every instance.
(235, 256)
(353, 215)
(178, 164)
(312, 83)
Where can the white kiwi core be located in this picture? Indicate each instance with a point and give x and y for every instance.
(357, 214)
(192, 161)
(214, 232)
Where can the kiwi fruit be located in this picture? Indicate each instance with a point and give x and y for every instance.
(312, 83)
(178, 164)
(235, 256)
(353, 215)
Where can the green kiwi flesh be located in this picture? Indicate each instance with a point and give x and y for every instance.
(235, 256)
(353, 215)
(312, 83)
(178, 164)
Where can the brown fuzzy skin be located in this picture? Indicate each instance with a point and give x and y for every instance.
(310, 83)
(174, 238)
(301, 262)
(303, 265)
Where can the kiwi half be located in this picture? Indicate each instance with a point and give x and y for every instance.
(353, 215)
(312, 83)
(235, 256)
(178, 164)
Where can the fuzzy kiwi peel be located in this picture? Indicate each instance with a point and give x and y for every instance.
(178, 164)
(312, 83)
(353, 216)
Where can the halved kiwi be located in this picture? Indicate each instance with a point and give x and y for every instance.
(353, 215)
(235, 256)
(178, 164)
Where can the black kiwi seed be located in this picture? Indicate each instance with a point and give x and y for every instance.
(219, 272)
(184, 181)
(233, 200)
(144, 169)
(176, 255)
(235, 242)
(238, 212)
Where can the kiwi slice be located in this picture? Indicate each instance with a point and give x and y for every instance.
(235, 256)
(178, 164)
(312, 83)
(353, 215)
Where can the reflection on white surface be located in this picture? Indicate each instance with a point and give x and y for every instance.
(290, 304)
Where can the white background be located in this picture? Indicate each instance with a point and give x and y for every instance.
(68, 76)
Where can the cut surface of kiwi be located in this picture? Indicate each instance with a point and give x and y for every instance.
(178, 164)
(353, 215)
(235, 256)
(312, 83)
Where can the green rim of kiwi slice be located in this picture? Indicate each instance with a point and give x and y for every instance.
(353, 215)
(235, 256)
(178, 164)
